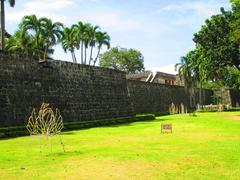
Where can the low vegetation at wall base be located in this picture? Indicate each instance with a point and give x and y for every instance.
(21, 130)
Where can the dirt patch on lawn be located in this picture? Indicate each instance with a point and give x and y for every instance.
(107, 168)
(235, 117)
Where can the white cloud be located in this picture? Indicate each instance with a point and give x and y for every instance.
(108, 19)
(44, 5)
(47, 8)
(17, 16)
(112, 20)
(198, 9)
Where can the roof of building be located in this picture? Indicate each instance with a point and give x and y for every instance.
(147, 73)
(166, 75)
(139, 75)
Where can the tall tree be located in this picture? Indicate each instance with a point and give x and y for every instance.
(52, 33)
(216, 58)
(79, 30)
(22, 43)
(128, 60)
(102, 38)
(214, 39)
(69, 43)
(34, 24)
(86, 40)
(199, 73)
(235, 23)
(184, 69)
(92, 42)
(46, 33)
(12, 3)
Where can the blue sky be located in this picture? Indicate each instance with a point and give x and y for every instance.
(162, 30)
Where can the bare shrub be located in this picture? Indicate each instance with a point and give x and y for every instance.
(45, 124)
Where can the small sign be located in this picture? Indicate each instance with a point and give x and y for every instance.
(166, 128)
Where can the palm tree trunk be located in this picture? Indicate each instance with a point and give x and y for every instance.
(82, 52)
(45, 52)
(37, 46)
(2, 25)
(194, 97)
(73, 56)
(99, 48)
(85, 58)
(90, 59)
(201, 101)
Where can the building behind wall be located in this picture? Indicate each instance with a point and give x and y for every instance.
(156, 77)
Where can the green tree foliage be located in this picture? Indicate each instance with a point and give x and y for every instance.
(92, 32)
(52, 34)
(79, 31)
(128, 60)
(102, 38)
(185, 71)
(22, 43)
(216, 43)
(46, 33)
(68, 42)
(82, 36)
(216, 59)
(230, 78)
(32, 23)
(216, 40)
(235, 23)
(36, 37)
(186, 74)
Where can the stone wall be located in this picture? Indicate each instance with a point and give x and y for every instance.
(80, 92)
(84, 93)
(153, 97)
(228, 96)
(235, 97)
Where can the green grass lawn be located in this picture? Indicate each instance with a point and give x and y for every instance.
(202, 147)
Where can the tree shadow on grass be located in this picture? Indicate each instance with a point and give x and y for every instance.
(68, 153)
(133, 123)
(70, 131)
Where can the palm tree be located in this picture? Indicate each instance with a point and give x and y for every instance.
(22, 43)
(185, 74)
(68, 42)
(34, 24)
(12, 3)
(199, 72)
(197, 80)
(42, 45)
(92, 34)
(79, 30)
(86, 40)
(102, 38)
(52, 33)
(184, 71)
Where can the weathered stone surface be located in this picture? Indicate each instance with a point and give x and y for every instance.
(235, 97)
(80, 92)
(228, 96)
(153, 97)
(83, 93)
